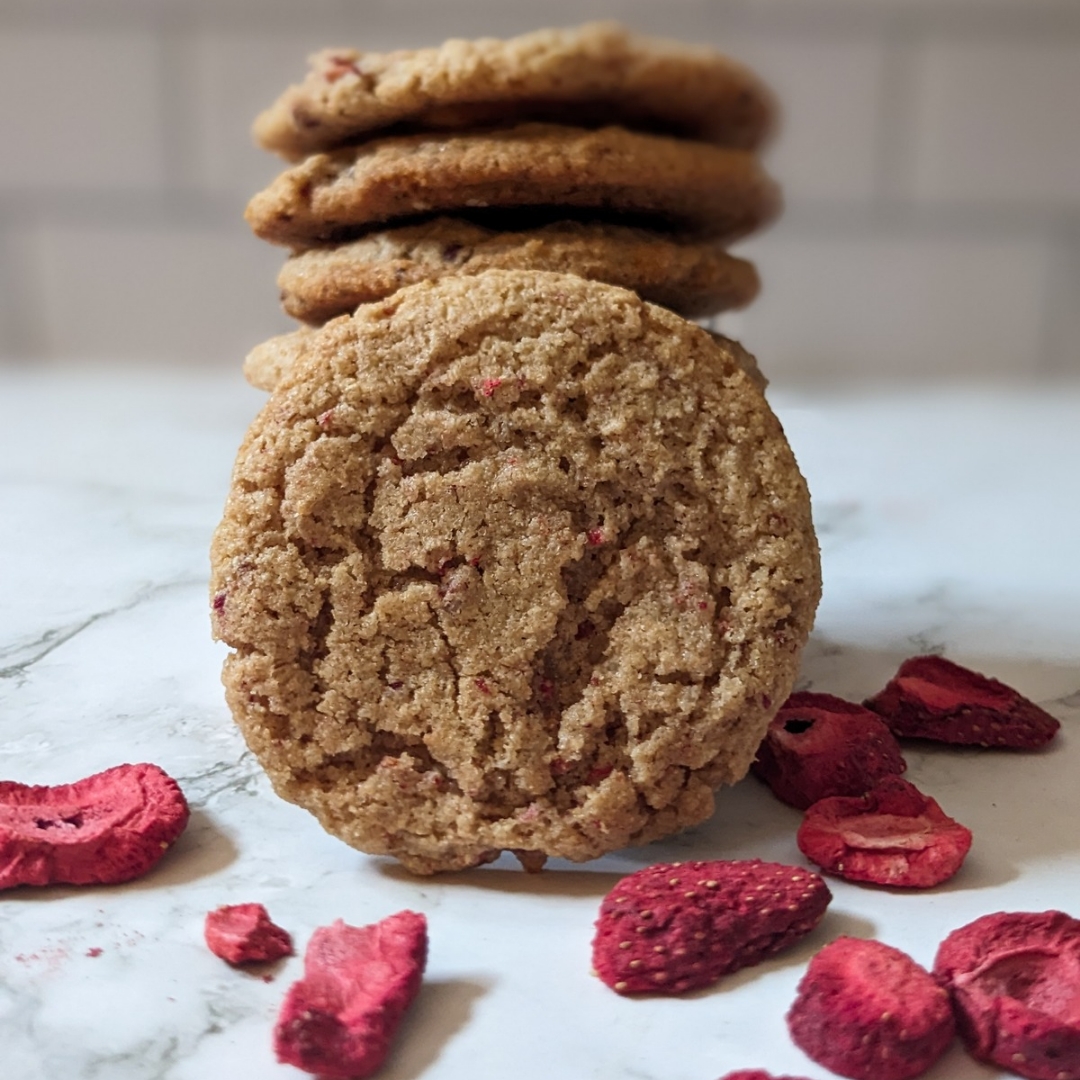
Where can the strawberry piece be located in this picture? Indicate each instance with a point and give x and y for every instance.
(675, 927)
(102, 830)
(892, 835)
(757, 1074)
(339, 1020)
(868, 1011)
(244, 934)
(1015, 984)
(932, 698)
(819, 745)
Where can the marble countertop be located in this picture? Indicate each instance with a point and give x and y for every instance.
(949, 520)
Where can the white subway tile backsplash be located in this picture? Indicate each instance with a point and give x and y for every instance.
(168, 294)
(887, 305)
(997, 120)
(830, 92)
(79, 109)
(233, 78)
(930, 157)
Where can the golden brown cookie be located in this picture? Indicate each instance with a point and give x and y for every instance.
(692, 278)
(515, 561)
(270, 361)
(593, 75)
(704, 190)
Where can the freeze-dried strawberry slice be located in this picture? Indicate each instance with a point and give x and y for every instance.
(102, 830)
(757, 1074)
(1015, 984)
(892, 835)
(244, 934)
(932, 698)
(820, 745)
(339, 1020)
(868, 1011)
(675, 927)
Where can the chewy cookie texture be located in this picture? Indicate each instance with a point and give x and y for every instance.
(511, 562)
(268, 363)
(705, 191)
(690, 278)
(597, 73)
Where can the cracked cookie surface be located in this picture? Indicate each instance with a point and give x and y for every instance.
(706, 191)
(598, 72)
(271, 360)
(511, 562)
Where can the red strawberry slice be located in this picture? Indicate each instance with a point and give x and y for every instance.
(339, 1020)
(820, 745)
(245, 934)
(892, 835)
(675, 927)
(104, 829)
(757, 1074)
(868, 1011)
(933, 698)
(1015, 984)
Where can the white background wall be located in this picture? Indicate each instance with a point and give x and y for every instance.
(931, 159)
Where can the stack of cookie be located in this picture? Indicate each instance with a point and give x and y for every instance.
(591, 151)
(513, 558)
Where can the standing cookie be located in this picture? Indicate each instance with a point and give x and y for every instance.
(511, 562)
(596, 74)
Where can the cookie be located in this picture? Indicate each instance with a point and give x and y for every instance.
(269, 362)
(594, 75)
(511, 562)
(705, 190)
(694, 279)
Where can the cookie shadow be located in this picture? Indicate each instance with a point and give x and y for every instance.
(749, 822)
(558, 878)
(442, 1008)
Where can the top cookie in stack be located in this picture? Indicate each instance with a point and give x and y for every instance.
(595, 75)
(593, 151)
